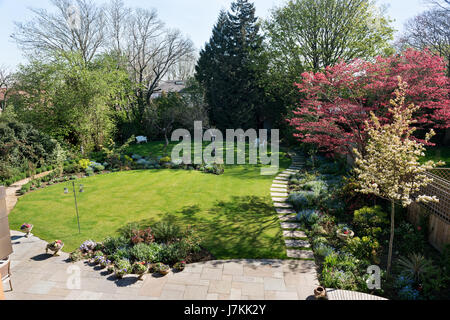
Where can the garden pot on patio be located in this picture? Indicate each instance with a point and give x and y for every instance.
(26, 227)
(55, 246)
(320, 293)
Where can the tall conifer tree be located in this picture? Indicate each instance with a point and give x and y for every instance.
(228, 70)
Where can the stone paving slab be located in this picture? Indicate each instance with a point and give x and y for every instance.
(290, 225)
(37, 276)
(285, 211)
(294, 234)
(297, 243)
(301, 254)
(282, 205)
(278, 189)
(279, 182)
(286, 218)
(279, 194)
(278, 199)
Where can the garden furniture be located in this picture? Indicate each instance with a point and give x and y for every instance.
(140, 139)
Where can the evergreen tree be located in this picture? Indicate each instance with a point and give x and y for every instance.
(228, 69)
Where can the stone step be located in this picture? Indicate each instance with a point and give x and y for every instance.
(278, 189)
(294, 234)
(287, 175)
(285, 211)
(297, 244)
(276, 199)
(282, 205)
(290, 225)
(303, 254)
(281, 178)
(287, 218)
(281, 186)
(279, 194)
(283, 182)
(291, 171)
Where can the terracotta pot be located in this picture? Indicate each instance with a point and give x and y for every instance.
(164, 272)
(27, 231)
(54, 249)
(320, 293)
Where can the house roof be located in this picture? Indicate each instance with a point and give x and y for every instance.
(170, 86)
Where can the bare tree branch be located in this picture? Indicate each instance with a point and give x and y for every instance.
(49, 32)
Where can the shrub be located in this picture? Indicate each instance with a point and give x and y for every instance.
(98, 167)
(363, 248)
(319, 241)
(172, 253)
(323, 250)
(370, 220)
(165, 160)
(410, 238)
(317, 186)
(415, 266)
(121, 253)
(302, 199)
(89, 171)
(146, 252)
(308, 216)
(166, 232)
(112, 244)
(335, 278)
(84, 163)
(145, 236)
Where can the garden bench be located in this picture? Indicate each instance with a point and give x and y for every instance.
(140, 139)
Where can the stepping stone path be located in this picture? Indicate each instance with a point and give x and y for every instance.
(295, 239)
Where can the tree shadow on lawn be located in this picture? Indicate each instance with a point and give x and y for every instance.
(243, 227)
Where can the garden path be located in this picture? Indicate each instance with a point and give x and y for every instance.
(37, 276)
(295, 239)
(11, 191)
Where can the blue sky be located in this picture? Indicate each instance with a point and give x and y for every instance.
(193, 17)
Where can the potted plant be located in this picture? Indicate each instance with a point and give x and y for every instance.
(320, 293)
(162, 268)
(179, 266)
(76, 255)
(123, 267)
(54, 246)
(140, 268)
(26, 227)
(344, 233)
(110, 268)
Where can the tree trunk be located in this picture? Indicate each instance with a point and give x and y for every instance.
(167, 142)
(391, 239)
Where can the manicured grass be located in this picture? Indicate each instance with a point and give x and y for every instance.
(438, 154)
(232, 212)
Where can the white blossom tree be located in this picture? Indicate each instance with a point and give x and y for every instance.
(390, 168)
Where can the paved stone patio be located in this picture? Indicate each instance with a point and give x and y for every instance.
(40, 276)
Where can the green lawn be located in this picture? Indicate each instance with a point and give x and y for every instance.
(438, 154)
(233, 211)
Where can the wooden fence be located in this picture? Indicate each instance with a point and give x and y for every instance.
(438, 213)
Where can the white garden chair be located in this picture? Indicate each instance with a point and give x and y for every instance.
(140, 139)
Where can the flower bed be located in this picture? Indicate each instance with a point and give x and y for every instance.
(149, 249)
(349, 236)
